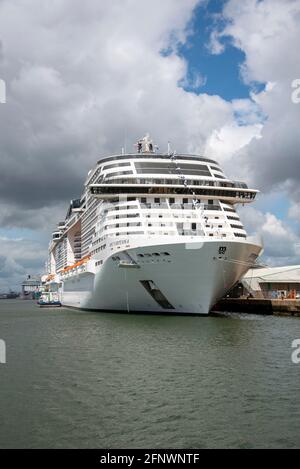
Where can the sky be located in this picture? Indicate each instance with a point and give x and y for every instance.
(214, 77)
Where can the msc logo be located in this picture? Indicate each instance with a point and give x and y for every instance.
(2, 92)
(2, 352)
(222, 249)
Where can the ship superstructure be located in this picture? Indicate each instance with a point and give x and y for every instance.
(153, 231)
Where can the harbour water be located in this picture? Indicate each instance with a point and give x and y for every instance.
(76, 379)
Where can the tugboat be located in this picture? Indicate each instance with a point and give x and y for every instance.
(49, 299)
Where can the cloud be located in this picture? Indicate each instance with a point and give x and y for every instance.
(193, 80)
(224, 143)
(43, 219)
(86, 79)
(294, 211)
(267, 32)
(215, 45)
(18, 258)
(281, 242)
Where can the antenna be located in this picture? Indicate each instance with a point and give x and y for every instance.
(125, 142)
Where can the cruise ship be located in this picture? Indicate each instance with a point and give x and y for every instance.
(152, 232)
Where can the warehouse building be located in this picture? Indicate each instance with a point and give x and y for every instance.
(272, 282)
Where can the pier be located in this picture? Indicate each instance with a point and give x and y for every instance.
(262, 306)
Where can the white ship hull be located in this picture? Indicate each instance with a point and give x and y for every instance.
(190, 278)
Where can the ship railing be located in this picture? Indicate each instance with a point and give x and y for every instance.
(178, 206)
(154, 205)
(172, 182)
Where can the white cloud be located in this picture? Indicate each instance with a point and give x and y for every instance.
(193, 81)
(274, 226)
(280, 240)
(294, 212)
(215, 45)
(268, 32)
(224, 143)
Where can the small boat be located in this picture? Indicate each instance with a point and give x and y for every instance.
(49, 299)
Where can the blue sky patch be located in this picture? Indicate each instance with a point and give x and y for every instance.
(214, 74)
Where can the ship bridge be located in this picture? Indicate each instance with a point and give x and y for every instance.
(149, 172)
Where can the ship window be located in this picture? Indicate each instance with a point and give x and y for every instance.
(172, 200)
(166, 254)
(117, 173)
(162, 168)
(140, 255)
(143, 200)
(228, 209)
(185, 201)
(115, 165)
(193, 226)
(156, 201)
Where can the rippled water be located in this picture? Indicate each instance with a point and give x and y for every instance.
(81, 379)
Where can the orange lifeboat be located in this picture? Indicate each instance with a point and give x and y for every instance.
(77, 264)
(50, 277)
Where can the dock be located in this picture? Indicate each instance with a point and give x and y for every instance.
(261, 306)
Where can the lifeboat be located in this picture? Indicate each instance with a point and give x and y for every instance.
(82, 261)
